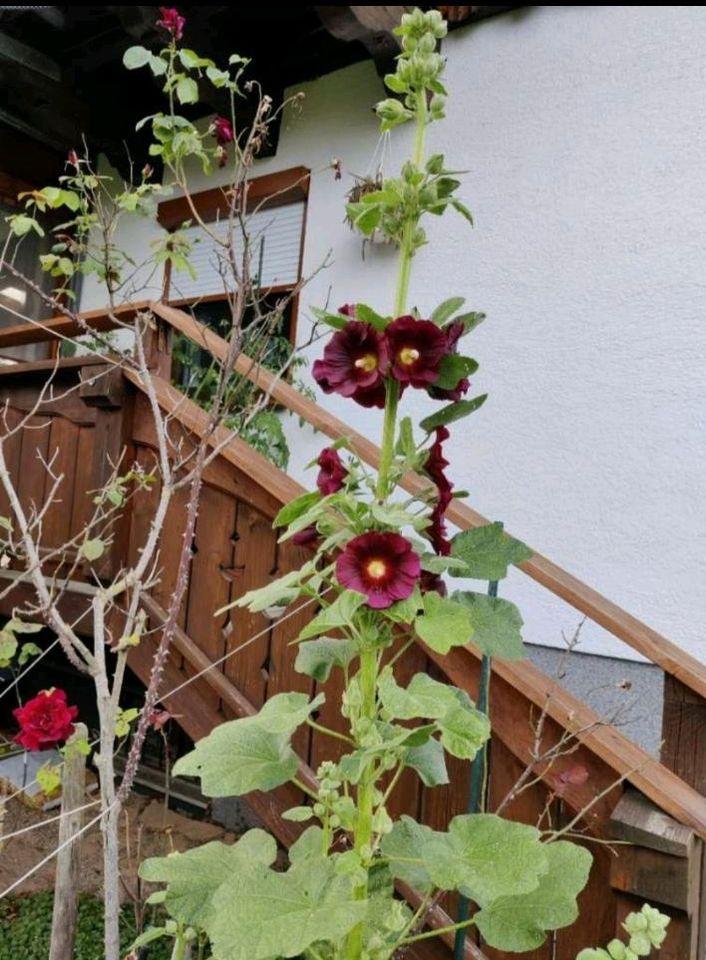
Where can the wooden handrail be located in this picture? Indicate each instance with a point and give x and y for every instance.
(619, 753)
(65, 327)
(651, 644)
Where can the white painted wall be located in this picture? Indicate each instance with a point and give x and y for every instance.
(584, 133)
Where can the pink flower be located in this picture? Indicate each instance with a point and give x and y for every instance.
(72, 158)
(45, 720)
(453, 333)
(415, 348)
(333, 472)
(382, 566)
(172, 21)
(222, 131)
(354, 365)
(434, 467)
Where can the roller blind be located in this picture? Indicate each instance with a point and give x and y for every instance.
(275, 239)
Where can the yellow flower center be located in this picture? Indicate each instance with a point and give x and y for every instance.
(368, 362)
(376, 569)
(408, 355)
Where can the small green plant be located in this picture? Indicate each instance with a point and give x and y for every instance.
(647, 930)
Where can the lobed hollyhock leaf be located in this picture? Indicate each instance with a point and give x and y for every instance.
(521, 922)
(447, 309)
(497, 625)
(488, 551)
(338, 614)
(316, 658)
(423, 697)
(485, 857)
(193, 877)
(452, 412)
(429, 763)
(265, 914)
(250, 754)
(405, 841)
(464, 731)
(444, 623)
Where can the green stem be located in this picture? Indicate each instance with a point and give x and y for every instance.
(388, 438)
(437, 932)
(328, 732)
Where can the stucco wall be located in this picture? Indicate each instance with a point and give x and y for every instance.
(584, 134)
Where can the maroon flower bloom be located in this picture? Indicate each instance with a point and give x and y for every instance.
(348, 310)
(453, 332)
(222, 131)
(434, 467)
(307, 535)
(382, 566)
(72, 158)
(333, 472)
(172, 21)
(415, 348)
(432, 581)
(45, 720)
(354, 365)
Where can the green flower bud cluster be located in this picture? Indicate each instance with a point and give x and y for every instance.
(646, 929)
(419, 69)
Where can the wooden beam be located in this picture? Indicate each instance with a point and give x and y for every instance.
(651, 644)
(63, 327)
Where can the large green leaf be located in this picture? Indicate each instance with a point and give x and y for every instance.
(338, 614)
(429, 763)
(405, 841)
(463, 730)
(193, 877)
(423, 697)
(316, 658)
(250, 754)
(520, 923)
(485, 857)
(264, 914)
(488, 551)
(497, 625)
(444, 623)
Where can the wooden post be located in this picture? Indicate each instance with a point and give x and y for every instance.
(73, 792)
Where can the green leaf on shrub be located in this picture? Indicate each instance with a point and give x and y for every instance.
(452, 412)
(486, 857)
(8, 647)
(464, 730)
(267, 914)
(444, 623)
(193, 877)
(488, 551)
(136, 57)
(423, 697)
(447, 309)
(93, 549)
(316, 658)
(339, 614)
(429, 763)
(497, 625)
(187, 90)
(406, 840)
(280, 592)
(520, 923)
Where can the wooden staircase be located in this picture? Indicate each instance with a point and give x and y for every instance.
(659, 806)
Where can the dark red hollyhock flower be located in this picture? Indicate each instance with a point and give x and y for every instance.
(307, 535)
(432, 581)
(348, 310)
(354, 365)
(453, 332)
(434, 467)
(415, 348)
(72, 158)
(383, 566)
(222, 131)
(45, 720)
(332, 473)
(172, 21)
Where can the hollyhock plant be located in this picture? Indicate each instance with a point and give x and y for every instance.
(453, 332)
(435, 467)
(45, 721)
(354, 364)
(173, 22)
(223, 131)
(333, 472)
(383, 566)
(415, 349)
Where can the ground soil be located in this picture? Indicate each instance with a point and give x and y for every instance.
(148, 830)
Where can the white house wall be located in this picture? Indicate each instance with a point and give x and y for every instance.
(583, 131)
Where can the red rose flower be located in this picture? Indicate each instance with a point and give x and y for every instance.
(222, 131)
(415, 348)
(354, 365)
(172, 21)
(434, 467)
(453, 332)
(45, 720)
(382, 566)
(333, 472)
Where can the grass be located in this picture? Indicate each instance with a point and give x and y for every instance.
(25, 929)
